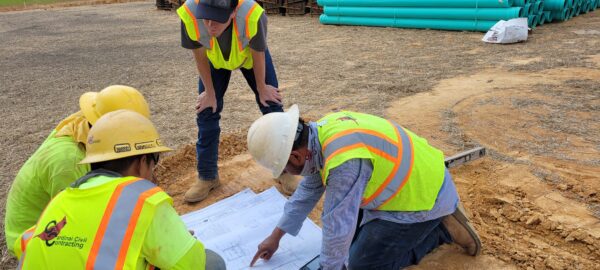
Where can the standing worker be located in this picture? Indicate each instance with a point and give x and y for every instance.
(114, 217)
(225, 35)
(54, 165)
(389, 198)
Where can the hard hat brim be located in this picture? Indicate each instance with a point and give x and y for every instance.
(87, 104)
(108, 156)
(293, 113)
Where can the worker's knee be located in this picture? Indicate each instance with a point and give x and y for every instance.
(214, 261)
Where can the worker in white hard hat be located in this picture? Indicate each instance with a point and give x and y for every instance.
(389, 200)
(114, 217)
(54, 165)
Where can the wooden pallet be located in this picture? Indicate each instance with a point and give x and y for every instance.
(272, 6)
(315, 10)
(295, 7)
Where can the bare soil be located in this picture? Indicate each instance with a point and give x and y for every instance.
(535, 106)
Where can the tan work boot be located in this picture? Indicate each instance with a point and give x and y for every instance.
(462, 232)
(288, 183)
(199, 191)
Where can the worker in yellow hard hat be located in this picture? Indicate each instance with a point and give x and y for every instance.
(389, 200)
(114, 217)
(54, 165)
(223, 36)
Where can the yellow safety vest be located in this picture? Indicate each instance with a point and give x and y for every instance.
(245, 27)
(101, 227)
(407, 172)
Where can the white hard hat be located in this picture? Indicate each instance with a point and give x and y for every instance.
(271, 137)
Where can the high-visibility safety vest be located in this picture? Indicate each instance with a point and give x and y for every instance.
(407, 172)
(101, 227)
(245, 27)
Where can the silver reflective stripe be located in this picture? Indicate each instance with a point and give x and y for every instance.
(20, 266)
(117, 224)
(240, 21)
(399, 177)
(26, 236)
(358, 137)
(204, 38)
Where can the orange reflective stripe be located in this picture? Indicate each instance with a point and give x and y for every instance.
(405, 180)
(27, 235)
(194, 20)
(391, 175)
(357, 130)
(132, 224)
(248, 20)
(104, 222)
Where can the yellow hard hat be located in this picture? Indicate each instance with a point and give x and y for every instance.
(112, 98)
(121, 134)
(271, 138)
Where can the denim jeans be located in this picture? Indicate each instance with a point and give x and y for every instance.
(207, 146)
(381, 244)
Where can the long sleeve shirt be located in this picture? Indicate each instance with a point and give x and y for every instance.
(345, 187)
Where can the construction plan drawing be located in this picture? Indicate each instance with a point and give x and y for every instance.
(234, 227)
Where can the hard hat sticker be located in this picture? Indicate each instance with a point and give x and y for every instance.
(122, 147)
(144, 145)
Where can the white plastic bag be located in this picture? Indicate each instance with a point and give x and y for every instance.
(511, 31)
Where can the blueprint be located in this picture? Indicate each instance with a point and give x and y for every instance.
(234, 227)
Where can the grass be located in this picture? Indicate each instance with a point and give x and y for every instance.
(19, 3)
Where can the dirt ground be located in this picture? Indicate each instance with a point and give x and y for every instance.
(535, 106)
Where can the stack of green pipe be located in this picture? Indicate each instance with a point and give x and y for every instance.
(470, 15)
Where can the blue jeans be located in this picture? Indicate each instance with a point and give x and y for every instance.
(381, 244)
(207, 146)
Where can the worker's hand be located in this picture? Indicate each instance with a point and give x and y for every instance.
(269, 93)
(206, 100)
(266, 249)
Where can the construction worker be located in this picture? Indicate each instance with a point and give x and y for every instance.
(114, 217)
(54, 165)
(389, 198)
(225, 35)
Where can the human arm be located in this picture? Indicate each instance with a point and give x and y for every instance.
(258, 46)
(169, 244)
(345, 186)
(295, 211)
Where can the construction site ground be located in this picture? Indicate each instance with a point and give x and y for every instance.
(535, 106)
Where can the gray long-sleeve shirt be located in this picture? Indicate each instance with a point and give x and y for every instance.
(345, 187)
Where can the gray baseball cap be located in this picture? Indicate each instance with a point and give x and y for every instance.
(216, 10)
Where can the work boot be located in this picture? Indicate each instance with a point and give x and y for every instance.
(462, 232)
(199, 191)
(288, 183)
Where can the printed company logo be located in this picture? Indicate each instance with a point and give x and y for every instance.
(52, 230)
(347, 118)
(144, 145)
(91, 140)
(122, 147)
(53, 237)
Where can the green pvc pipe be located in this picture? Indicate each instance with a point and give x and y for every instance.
(548, 15)
(519, 3)
(532, 21)
(459, 25)
(527, 9)
(538, 7)
(485, 14)
(418, 3)
(555, 5)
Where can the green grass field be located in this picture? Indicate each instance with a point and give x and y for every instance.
(17, 3)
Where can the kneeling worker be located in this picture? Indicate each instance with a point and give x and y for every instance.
(389, 200)
(114, 217)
